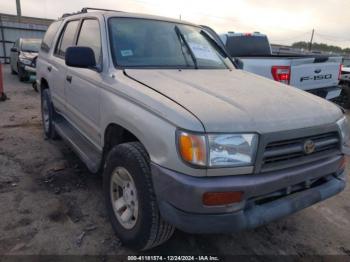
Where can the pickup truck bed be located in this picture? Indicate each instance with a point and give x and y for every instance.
(305, 72)
(317, 74)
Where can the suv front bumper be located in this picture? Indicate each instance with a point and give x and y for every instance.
(282, 193)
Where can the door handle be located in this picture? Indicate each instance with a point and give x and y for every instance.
(69, 78)
(49, 68)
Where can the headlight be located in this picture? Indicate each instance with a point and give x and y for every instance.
(218, 150)
(25, 61)
(344, 130)
(232, 150)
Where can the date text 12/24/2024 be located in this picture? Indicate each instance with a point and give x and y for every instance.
(173, 258)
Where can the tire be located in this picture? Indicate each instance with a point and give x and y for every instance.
(21, 74)
(346, 94)
(13, 72)
(146, 229)
(48, 114)
(35, 87)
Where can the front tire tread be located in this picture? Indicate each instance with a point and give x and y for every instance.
(160, 231)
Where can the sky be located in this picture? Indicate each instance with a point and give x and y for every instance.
(284, 21)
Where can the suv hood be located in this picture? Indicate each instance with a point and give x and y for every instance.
(28, 55)
(237, 101)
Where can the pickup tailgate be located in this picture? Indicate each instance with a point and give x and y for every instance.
(315, 72)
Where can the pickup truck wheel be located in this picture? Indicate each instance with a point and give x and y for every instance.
(47, 113)
(130, 199)
(346, 96)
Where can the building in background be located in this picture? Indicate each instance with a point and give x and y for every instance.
(13, 27)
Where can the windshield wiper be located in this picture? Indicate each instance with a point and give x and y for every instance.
(219, 48)
(182, 37)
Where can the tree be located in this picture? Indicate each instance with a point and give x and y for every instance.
(321, 47)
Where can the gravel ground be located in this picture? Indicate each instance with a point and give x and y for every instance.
(51, 204)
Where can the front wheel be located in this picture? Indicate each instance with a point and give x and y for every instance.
(130, 199)
(35, 87)
(22, 75)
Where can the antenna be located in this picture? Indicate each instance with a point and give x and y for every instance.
(86, 10)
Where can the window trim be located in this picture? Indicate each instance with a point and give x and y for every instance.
(44, 47)
(79, 31)
(61, 34)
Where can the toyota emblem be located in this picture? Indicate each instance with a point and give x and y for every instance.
(309, 147)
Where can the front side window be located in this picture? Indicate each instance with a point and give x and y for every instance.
(67, 38)
(145, 43)
(90, 37)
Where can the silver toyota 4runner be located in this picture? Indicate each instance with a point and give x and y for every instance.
(183, 139)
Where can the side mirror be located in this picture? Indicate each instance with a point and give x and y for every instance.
(14, 49)
(79, 56)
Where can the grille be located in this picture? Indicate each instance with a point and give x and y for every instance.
(291, 152)
(312, 183)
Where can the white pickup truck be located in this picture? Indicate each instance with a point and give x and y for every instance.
(317, 74)
(345, 71)
(344, 98)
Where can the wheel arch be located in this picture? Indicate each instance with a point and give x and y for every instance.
(115, 134)
(43, 84)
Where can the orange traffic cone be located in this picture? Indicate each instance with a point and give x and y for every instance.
(3, 96)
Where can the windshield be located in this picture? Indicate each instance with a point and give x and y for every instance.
(144, 43)
(31, 45)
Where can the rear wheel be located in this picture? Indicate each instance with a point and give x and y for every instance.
(130, 199)
(344, 99)
(346, 94)
(48, 113)
(13, 72)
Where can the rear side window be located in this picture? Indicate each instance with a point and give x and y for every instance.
(49, 36)
(66, 38)
(90, 37)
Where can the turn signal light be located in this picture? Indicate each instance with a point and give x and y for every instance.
(192, 148)
(221, 198)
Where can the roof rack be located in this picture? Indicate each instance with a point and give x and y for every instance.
(69, 14)
(86, 10)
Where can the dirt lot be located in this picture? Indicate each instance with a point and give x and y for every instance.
(51, 204)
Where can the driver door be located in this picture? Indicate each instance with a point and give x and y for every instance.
(82, 85)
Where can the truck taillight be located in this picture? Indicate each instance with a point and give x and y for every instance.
(340, 69)
(281, 74)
